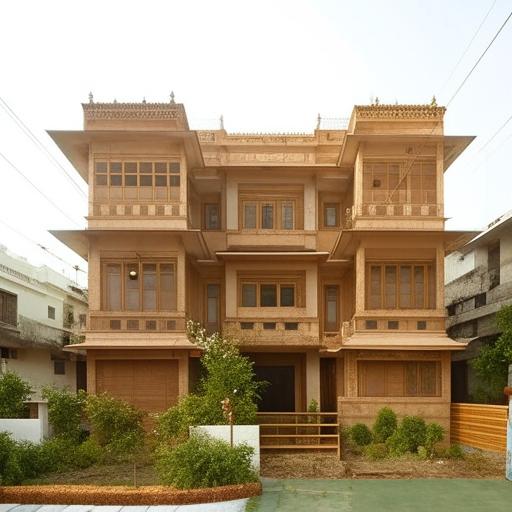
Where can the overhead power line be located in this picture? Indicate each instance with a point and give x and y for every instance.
(467, 47)
(37, 142)
(57, 207)
(454, 95)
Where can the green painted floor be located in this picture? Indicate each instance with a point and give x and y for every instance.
(383, 495)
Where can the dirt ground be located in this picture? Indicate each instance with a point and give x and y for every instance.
(476, 464)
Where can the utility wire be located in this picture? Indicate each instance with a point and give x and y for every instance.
(37, 142)
(38, 190)
(495, 134)
(41, 246)
(467, 47)
(454, 95)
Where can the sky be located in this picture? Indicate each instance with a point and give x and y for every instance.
(266, 66)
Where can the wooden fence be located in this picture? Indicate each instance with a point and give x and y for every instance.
(480, 426)
(299, 431)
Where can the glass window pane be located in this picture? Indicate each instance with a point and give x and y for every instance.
(131, 287)
(160, 181)
(331, 308)
(405, 286)
(130, 167)
(146, 181)
(428, 378)
(287, 296)
(431, 286)
(390, 287)
(375, 301)
(267, 216)
(212, 217)
(249, 216)
(175, 181)
(174, 167)
(212, 313)
(146, 167)
(116, 180)
(411, 379)
(249, 295)
(115, 167)
(167, 287)
(268, 295)
(113, 287)
(130, 180)
(100, 167)
(287, 216)
(330, 216)
(149, 287)
(101, 180)
(161, 167)
(419, 287)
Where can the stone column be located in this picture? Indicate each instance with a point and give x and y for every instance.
(312, 376)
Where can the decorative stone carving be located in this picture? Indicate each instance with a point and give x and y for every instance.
(399, 112)
(160, 111)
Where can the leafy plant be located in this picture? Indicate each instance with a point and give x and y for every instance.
(410, 434)
(454, 451)
(434, 434)
(385, 425)
(313, 407)
(116, 425)
(14, 391)
(492, 363)
(204, 462)
(361, 434)
(376, 451)
(65, 411)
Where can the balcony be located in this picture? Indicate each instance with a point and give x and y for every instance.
(285, 239)
(273, 331)
(135, 322)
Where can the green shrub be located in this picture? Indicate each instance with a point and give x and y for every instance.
(116, 425)
(14, 391)
(397, 444)
(65, 411)
(434, 434)
(385, 425)
(413, 430)
(361, 434)
(204, 462)
(376, 451)
(7, 448)
(423, 453)
(454, 451)
(87, 454)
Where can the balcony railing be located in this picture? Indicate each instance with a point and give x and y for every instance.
(128, 322)
(392, 210)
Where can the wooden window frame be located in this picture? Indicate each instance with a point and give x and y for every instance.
(419, 369)
(205, 209)
(138, 192)
(331, 204)
(258, 283)
(216, 324)
(429, 297)
(326, 326)
(9, 308)
(124, 264)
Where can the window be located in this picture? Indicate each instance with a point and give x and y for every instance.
(212, 306)
(145, 286)
(59, 367)
(399, 378)
(493, 265)
(211, 216)
(268, 295)
(331, 215)
(278, 214)
(249, 295)
(331, 322)
(82, 320)
(246, 325)
(146, 180)
(401, 286)
(51, 312)
(8, 308)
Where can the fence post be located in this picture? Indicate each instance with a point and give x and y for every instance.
(508, 391)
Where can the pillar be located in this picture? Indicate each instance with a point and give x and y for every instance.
(312, 376)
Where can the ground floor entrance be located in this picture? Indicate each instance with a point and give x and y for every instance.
(278, 395)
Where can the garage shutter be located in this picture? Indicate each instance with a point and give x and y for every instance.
(151, 385)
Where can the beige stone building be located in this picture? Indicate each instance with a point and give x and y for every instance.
(322, 253)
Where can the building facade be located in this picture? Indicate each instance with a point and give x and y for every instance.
(478, 284)
(41, 311)
(322, 254)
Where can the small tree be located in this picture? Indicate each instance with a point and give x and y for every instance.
(14, 391)
(492, 363)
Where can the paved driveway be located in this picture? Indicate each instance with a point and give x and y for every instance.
(383, 495)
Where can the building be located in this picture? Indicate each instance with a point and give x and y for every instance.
(41, 311)
(478, 283)
(322, 253)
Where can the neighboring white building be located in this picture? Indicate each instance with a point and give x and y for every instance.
(478, 283)
(41, 311)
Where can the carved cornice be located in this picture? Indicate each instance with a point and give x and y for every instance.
(131, 111)
(399, 112)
